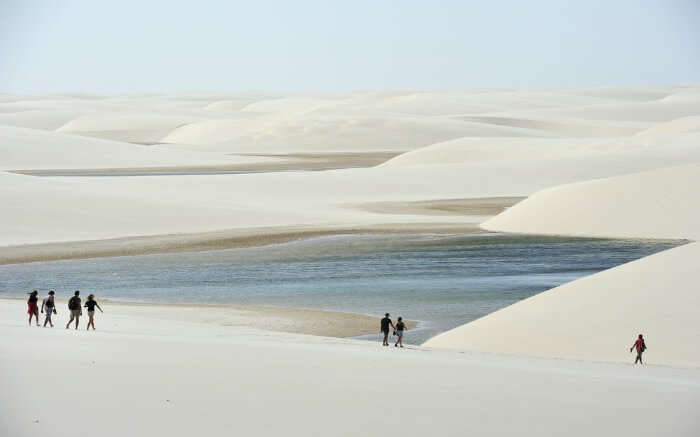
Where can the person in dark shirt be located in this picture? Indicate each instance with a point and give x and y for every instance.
(384, 326)
(400, 328)
(33, 307)
(75, 309)
(90, 304)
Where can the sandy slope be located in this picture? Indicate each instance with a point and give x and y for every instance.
(30, 149)
(166, 372)
(187, 204)
(599, 316)
(684, 124)
(653, 204)
(138, 376)
(636, 153)
(129, 127)
(593, 318)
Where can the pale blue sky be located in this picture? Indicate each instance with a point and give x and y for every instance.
(200, 45)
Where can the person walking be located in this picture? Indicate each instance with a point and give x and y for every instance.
(400, 328)
(48, 305)
(384, 328)
(90, 304)
(75, 309)
(641, 346)
(33, 307)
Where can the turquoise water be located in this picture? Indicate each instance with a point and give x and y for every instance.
(440, 280)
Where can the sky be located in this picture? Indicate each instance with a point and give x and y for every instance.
(54, 46)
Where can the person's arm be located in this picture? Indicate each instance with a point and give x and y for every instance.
(98, 307)
(43, 302)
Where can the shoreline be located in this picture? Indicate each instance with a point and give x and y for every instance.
(206, 241)
(286, 162)
(316, 322)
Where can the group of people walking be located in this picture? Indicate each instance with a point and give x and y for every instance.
(399, 329)
(48, 307)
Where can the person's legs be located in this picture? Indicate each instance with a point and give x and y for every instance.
(386, 338)
(36, 317)
(401, 340)
(91, 321)
(77, 320)
(69, 322)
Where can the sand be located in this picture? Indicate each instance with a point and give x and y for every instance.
(155, 375)
(218, 240)
(486, 207)
(618, 162)
(269, 318)
(256, 164)
(593, 318)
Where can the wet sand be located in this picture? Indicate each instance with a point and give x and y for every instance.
(218, 240)
(287, 162)
(323, 323)
(487, 206)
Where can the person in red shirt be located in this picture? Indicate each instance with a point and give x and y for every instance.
(33, 307)
(641, 347)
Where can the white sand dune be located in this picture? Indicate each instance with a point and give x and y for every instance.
(156, 375)
(654, 204)
(591, 318)
(30, 149)
(325, 133)
(653, 111)
(633, 94)
(559, 127)
(683, 124)
(598, 317)
(128, 127)
(230, 105)
(177, 204)
(638, 153)
(45, 119)
(185, 204)
(620, 162)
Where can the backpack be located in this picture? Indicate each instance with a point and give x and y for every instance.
(73, 303)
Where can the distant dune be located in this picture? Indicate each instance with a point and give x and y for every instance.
(102, 176)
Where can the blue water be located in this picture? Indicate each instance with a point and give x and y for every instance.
(440, 280)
